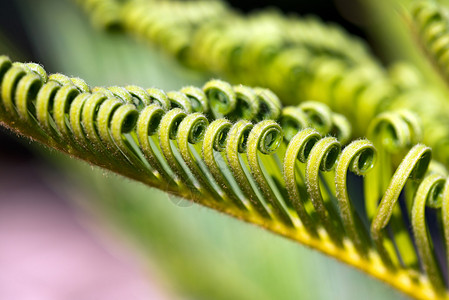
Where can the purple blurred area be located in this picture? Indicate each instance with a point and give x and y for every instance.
(46, 253)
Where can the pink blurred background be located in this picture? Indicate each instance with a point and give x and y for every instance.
(47, 253)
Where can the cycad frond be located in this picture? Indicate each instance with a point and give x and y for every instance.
(236, 149)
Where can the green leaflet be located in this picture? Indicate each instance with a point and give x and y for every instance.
(246, 168)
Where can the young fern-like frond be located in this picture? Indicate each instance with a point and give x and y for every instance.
(236, 149)
(430, 22)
